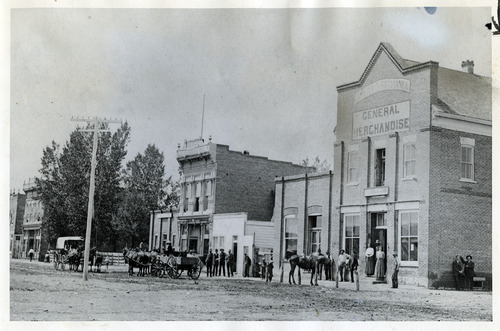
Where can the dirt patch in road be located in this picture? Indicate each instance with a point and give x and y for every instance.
(40, 293)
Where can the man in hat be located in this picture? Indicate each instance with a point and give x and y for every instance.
(469, 273)
(396, 270)
(222, 262)
(342, 264)
(208, 262)
(169, 248)
(229, 264)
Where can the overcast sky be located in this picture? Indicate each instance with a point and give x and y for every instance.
(269, 76)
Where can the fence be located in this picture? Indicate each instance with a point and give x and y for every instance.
(112, 258)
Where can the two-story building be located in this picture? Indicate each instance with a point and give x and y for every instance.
(413, 173)
(413, 161)
(227, 201)
(32, 224)
(16, 216)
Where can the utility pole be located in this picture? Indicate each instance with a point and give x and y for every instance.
(90, 211)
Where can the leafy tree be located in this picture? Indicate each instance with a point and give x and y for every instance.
(65, 180)
(320, 166)
(144, 191)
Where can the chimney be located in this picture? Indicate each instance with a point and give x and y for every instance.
(469, 65)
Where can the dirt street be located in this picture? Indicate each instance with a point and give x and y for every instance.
(40, 293)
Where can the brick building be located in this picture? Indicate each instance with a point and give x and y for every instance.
(16, 216)
(303, 213)
(412, 173)
(227, 200)
(413, 154)
(32, 224)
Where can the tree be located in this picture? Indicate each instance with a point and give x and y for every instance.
(144, 191)
(320, 166)
(64, 184)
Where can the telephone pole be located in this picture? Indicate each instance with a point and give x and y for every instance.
(90, 211)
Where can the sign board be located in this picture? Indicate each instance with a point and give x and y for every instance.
(381, 120)
(382, 85)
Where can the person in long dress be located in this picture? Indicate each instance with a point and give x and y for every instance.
(370, 261)
(379, 265)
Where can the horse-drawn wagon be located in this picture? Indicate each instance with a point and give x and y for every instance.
(61, 253)
(173, 266)
(191, 264)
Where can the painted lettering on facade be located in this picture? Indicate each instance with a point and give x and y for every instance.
(382, 85)
(381, 120)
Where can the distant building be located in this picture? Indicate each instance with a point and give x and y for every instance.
(16, 216)
(32, 224)
(227, 200)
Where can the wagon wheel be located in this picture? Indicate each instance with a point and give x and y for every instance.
(176, 272)
(195, 270)
(160, 271)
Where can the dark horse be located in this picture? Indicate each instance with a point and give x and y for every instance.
(137, 259)
(74, 257)
(311, 262)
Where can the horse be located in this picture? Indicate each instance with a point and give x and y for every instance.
(137, 259)
(311, 262)
(74, 257)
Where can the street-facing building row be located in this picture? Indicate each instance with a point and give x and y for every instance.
(412, 176)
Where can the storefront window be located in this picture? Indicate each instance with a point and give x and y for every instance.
(351, 233)
(409, 236)
(291, 234)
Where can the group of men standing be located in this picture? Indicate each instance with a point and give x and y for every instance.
(463, 273)
(218, 262)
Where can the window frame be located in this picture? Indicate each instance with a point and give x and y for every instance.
(406, 160)
(471, 163)
(380, 165)
(286, 238)
(409, 237)
(352, 238)
(352, 156)
(315, 230)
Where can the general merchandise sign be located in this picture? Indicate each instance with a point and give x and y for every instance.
(381, 120)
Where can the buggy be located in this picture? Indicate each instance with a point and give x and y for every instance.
(63, 244)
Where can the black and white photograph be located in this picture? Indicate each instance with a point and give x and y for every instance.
(248, 162)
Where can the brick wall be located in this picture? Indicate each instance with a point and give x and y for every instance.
(318, 186)
(461, 212)
(246, 182)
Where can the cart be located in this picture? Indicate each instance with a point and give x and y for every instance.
(61, 252)
(192, 264)
(173, 266)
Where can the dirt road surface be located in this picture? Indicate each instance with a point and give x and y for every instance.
(40, 293)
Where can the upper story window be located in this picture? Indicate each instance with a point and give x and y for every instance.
(380, 167)
(467, 159)
(409, 159)
(352, 166)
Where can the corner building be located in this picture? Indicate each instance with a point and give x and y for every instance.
(413, 167)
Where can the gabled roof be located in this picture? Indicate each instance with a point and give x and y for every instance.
(403, 65)
(459, 92)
